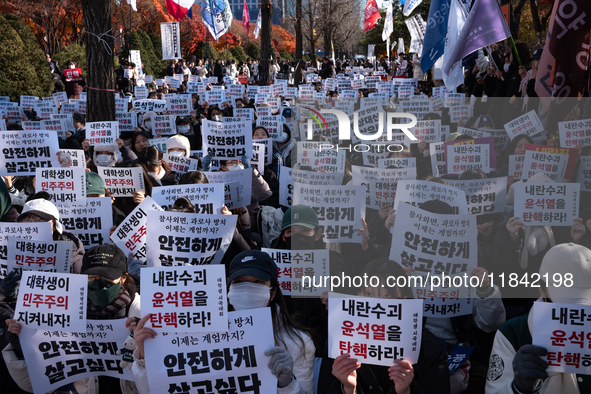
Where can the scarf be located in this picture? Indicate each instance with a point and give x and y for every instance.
(115, 310)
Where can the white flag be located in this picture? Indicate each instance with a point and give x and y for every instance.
(257, 28)
(388, 24)
(457, 20)
(400, 45)
(409, 6)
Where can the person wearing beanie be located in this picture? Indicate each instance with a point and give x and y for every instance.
(147, 121)
(112, 294)
(105, 155)
(39, 210)
(252, 283)
(518, 366)
(178, 145)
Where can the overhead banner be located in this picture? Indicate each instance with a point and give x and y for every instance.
(170, 33)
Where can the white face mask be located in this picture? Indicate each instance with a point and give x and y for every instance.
(148, 124)
(216, 118)
(248, 295)
(283, 137)
(183, 129)
(506, 67)
(235, 167)
(176, 153)
(72, 66)
(104, 160)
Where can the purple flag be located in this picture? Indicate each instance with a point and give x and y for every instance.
(485, 26)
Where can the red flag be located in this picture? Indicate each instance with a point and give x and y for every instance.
(246, 18)
(370, 16)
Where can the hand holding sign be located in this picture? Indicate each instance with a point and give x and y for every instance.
(402, 374)
(141, 333)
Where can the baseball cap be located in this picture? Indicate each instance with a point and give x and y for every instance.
(537, 54)
(45, 209)
(300, 215)
(252, 262)
(104, 260)
(94, 183)
(566, 259)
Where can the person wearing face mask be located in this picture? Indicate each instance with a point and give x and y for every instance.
(112, 294)
(105, 155)
(253, 284)
(157, 169)
(346, 375)
(271, 175)
(147, 121)
(179, 146)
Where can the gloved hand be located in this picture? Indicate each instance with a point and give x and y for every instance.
(10, 284)
(206, 162)
(529, 367)
(245, 162)
(281, 365)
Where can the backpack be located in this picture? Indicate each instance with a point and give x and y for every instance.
(269, 223)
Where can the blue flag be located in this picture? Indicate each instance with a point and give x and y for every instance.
(210, 8)
(434, 41)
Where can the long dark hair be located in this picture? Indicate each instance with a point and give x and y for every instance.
(150, 158)
(384, 268)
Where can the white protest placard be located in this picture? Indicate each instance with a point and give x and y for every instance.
(121, 105)
(473, 133)
(206, 198)
(59, 97)
(258, 157)
(130, 236)
(263, 111)
(141, 92)
(69, 357)
(227, 141)
(453, 99)
(185, 299)
(285, 186)
(556, 163)
(460, 158)
(102, 133)
(460, 113)
(309, 154)
(36, 231)
(127, 121)
(59, 126)
(28, 101)
(92, 223)
(164, 124)
(282, 259)
(438, 164)
(149, 105)
(380, 183)
(397, 162)
(427, 130)
(170, 33)
(214, 97)
(501, 138)
(246, 338)
(339, 209)
(2, 123)
(564, 330)
(32, 255)
(441, 303)
(24, 152)
(434, 244)
(575, 132)
(246, 113)
(302, 177)
(180, 105)
(416, 192)
(547, 204)
(237, 186)
(30, 125)
(516, 166)
(66, 186)
(148, 78)
(417, 107)
(181, 164)
(273, 124)
(374, 331)
(51, 300)
(122, 182)
(176, 238)
(528, 124)
(584, 174)
(483, 196)
(268, 144)
(308, 270)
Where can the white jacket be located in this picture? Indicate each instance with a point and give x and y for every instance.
(500, 373)
(20, 374)
(303, 365)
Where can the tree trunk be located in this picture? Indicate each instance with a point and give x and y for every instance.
(266, 45)
(516, 18)
(535, 16)
(99, 60)
(299, 43)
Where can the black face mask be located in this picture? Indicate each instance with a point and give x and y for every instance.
(300, 242)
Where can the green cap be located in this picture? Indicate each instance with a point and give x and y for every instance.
(300, 215)
(94, 183)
